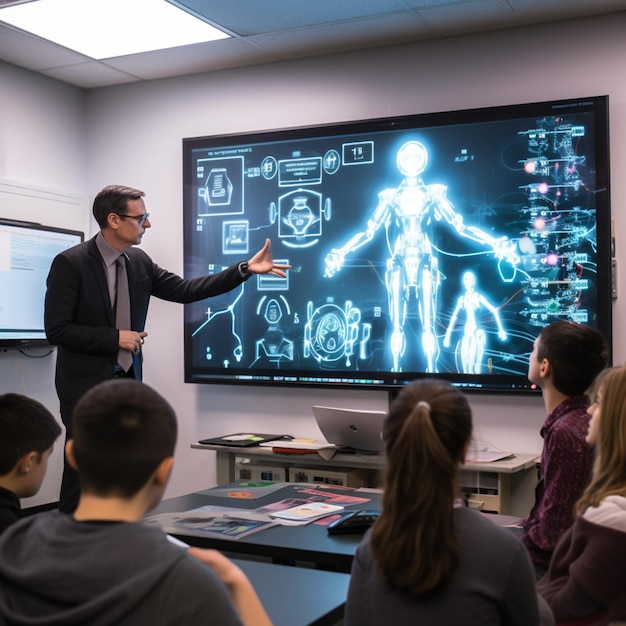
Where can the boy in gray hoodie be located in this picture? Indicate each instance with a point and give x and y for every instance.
(102, 565)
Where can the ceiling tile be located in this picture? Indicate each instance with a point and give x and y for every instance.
(364, 33)
(249, 17)
(565, 9)
(202, 57)
(33, 53)
(290, 29)
(473, 16)
(90, 75)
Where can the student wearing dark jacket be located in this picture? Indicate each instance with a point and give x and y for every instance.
(27, 435)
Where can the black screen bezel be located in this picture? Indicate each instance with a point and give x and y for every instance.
(485, 383)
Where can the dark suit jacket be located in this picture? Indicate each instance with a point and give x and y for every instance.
(79, 318)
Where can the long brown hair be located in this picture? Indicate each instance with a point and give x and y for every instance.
(426, 433)
(608, 476)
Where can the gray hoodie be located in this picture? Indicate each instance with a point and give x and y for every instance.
(55, 571)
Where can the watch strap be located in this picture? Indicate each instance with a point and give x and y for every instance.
(244, 272)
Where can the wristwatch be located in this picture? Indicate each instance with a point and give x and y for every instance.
(244, 272)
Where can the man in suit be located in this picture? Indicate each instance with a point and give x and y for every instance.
(82, 297)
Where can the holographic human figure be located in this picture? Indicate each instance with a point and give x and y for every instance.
(407, 213)
(472, 345)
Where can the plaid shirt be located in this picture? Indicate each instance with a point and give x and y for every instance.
(563, 473)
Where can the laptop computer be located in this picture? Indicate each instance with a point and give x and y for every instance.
(356, 429)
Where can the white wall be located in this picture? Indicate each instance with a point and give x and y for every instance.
(43, 178)
(134, 135)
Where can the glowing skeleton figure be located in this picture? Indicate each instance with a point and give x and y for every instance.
(472, 345)
(412, 268)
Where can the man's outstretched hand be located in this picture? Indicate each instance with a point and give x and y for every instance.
(263, 262)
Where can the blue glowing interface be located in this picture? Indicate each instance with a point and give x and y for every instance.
(430, 245)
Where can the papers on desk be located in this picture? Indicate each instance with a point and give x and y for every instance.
(483, 452)
(292, 504)
(306, 512)
(303, 446)
(212, 521)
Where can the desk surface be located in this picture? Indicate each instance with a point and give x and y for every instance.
(516, 463)
(298, 596)
(365, 461)
(311, 543)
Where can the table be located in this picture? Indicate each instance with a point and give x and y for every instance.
(310, 544)
(298, 596)
(504, 487)
(226, 457)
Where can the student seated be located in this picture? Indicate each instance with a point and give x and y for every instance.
(586, 579)
(102, 565)
(428, 559)
(565, 360)
(27, 435)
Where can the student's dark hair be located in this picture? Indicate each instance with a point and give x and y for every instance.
(608, 477)
(123, 429)
(113, 199)
(577, 354)
(426, 431)
(25, 426)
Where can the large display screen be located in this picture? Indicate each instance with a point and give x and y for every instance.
(429, 245)
(26, 253)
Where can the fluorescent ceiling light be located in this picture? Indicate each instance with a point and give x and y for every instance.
(102, 29)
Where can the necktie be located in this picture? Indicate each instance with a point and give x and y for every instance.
(122, 309)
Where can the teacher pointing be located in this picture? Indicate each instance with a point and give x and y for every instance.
(97, 300)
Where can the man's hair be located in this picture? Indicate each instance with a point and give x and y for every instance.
(113, 199)
(123, 429)
(25, 426)
(608, 476)
(426, 431)
(577, 354)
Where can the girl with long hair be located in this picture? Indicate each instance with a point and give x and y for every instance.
(586, 579)
(428, 559)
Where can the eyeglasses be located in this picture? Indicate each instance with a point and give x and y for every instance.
(141, 219)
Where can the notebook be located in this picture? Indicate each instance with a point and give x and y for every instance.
(242, 440)
(358, 429)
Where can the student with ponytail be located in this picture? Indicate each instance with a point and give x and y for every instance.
(428, 559)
